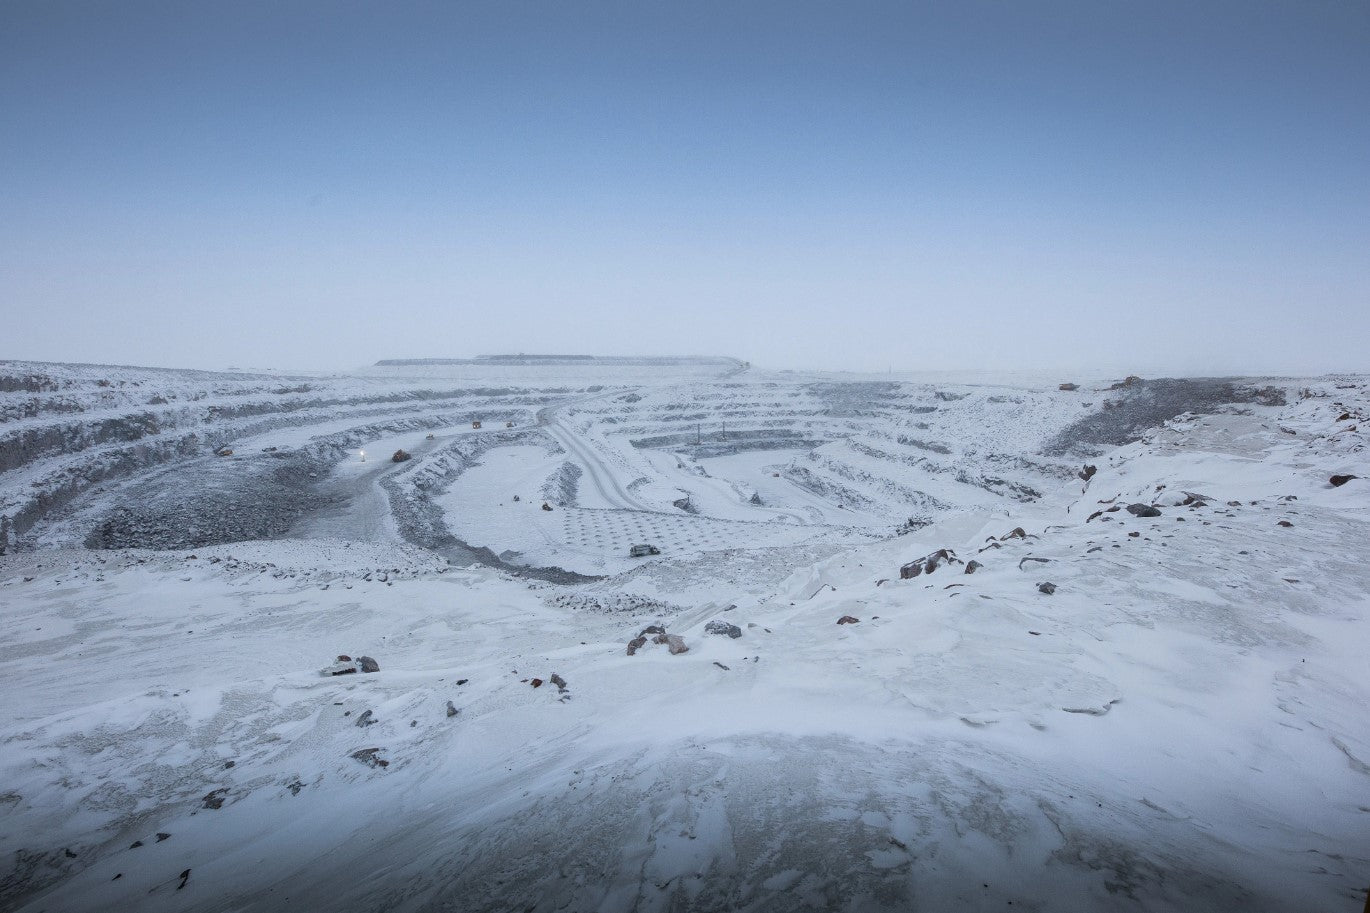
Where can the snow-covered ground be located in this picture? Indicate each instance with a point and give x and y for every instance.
(1178, 725)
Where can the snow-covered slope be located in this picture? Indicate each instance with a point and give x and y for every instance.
(1177, 725)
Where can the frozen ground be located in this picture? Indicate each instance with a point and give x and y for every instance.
(1180, 725)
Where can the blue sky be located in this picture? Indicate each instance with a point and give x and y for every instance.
(1139, 186)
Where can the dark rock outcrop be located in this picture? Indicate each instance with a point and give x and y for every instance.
(723, 628)
(928, 563)
(368, 756)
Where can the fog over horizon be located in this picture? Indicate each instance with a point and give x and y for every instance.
(1159, 189)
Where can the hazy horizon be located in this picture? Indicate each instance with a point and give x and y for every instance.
(307, 186)
(1080, 372)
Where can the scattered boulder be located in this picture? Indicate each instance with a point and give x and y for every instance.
(452, 710)
(214, 799)
(546, 506)
(344, 658)
(1143, 510)
(1285, 523)
(972, 566)
(673, 642)
(368, 664)
(848, 620)
(341, 668)
(928, 563)
(1047, 588)
(558, 681)
(1088, 471)
(1016, 533)
(723, 627)
(400, 456)
(1068, 387)
(1340, 480)
(365, 720)
(536, 682)
(224, 451)
(1344, 417)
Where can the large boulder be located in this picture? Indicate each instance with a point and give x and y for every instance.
(400, 456)
(723, 628)
(928, 563)
(1143, 510)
